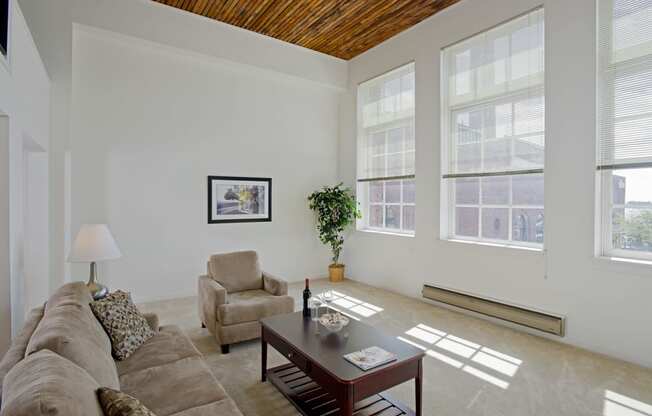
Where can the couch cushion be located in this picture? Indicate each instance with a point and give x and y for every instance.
(118, 403)
(152, 321)
(47, 384)
(252, 305)
(127, 327)
(173, 387)
(237, 271)
(18, 346)
(75, 293)
(168, 345)
(225, 407)
(69, 329)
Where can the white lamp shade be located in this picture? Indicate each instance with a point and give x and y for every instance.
(94, 242)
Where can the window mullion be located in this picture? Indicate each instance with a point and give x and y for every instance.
(384, 206)
(480, 209)
(400, 210)
(510, 210)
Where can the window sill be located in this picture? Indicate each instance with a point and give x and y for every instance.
(625, 260)
(395, 234)
(622, 266)
(496, 245)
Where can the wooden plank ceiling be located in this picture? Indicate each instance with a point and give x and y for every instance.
(341, 28)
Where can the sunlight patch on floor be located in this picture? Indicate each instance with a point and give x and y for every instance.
(422, 335)
(620, 405)
(343, 302)
(486, 377)
(442, 345)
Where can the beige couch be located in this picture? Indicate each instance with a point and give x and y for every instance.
(62, 355)
(235, 294)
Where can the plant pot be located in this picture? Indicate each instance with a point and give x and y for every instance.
(336, 272)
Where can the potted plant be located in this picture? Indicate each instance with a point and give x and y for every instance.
(336, 209)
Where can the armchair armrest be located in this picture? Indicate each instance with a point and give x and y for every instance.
(152, 321)
(274, 285)
(211, 295)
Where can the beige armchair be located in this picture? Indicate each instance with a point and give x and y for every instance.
(235, 294)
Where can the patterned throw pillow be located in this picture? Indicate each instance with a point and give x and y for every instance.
(124, 324)
(117, 403)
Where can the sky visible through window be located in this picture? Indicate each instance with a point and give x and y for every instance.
(639, 184)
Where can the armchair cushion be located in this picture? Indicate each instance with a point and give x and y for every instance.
(252, 305)
(237, 271)
(274, 285)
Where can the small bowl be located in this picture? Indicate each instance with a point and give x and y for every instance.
(334, 322)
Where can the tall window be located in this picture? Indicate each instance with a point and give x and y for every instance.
(493, 135)
(386, 188)
(625, 127)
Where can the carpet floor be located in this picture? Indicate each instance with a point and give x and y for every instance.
(472, 367)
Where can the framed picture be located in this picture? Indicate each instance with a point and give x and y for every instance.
(239, 199)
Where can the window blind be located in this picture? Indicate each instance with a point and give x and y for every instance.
(386, 126)
(625, 77)
(493, 101)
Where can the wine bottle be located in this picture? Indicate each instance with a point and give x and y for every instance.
(306, 296)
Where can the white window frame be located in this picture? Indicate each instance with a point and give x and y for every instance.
(604, 177)
(401, 204)
(363, 194)
(605, 212)
(510, 206)
(448, 196)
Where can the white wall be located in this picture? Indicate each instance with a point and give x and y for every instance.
(24, 100)
(51, 22)
(151, 122)
(24, 82)
(35, 225)
(606, 303)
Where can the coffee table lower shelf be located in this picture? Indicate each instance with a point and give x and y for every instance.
(311, 400)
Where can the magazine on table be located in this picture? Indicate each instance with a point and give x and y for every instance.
(369, 358)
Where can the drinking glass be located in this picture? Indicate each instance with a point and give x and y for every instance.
(327, 296)
(314, 309)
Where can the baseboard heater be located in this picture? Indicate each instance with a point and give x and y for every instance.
(545, 322)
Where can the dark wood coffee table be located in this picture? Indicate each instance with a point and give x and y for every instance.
(319, 381)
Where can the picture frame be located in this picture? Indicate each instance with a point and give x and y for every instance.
(234, 199)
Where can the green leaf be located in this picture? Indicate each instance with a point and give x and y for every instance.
(335, 209)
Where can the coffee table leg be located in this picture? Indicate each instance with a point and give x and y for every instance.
(263, 345)
(418, 381)
(346, 402)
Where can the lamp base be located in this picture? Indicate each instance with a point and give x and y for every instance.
(98, 290)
